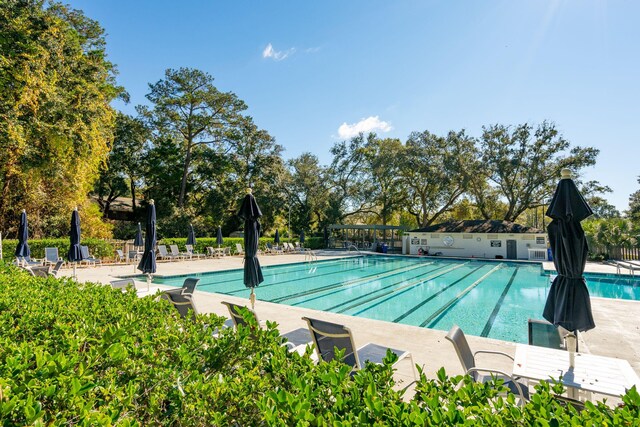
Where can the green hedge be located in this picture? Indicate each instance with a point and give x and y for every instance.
(88, 355)
(97, 247)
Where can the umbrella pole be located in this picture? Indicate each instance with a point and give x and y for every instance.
(74, 270)
(148, 282)
(571, 340)
(252, 298)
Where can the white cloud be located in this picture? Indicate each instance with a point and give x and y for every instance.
(370, 124)
(276, 55)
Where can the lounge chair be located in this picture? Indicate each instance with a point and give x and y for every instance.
(191, 253)
(122, 284)
(120, 256)
(40, 270)
(183, 303)
(239, 250)
(212, 253)
(226, 251)
(163, 254)
(175, 252)
(295, 340)
(88, 258)
(468, 361)
(545, 334)
(51, 256)
(329, 337)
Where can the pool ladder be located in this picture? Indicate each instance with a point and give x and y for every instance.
(355, 248)
(310, 256)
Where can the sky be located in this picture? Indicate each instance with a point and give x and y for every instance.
(316, 73)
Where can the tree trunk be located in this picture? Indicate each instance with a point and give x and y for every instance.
(132, 186)
(185, 173)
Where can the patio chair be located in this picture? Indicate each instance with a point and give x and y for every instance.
(56, 269)
(40, 270)
(51, 256)
(239, 250)
(468, 361)
(183, 303)
(212, 252)
(122, 284)
(134, 256)
(545, 334)
(188, 287)
(175, 252)
(329, 337)
(191, 253)
(87, 257)
(163, 254)
(226, 251)
(295, 340)
(27, 260)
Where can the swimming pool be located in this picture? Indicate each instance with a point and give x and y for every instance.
(486, 298)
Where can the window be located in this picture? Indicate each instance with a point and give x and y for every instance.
(541, 240)
(496, 243)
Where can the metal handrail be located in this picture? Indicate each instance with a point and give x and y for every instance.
(354, 247)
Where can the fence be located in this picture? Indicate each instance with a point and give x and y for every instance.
(618, 252)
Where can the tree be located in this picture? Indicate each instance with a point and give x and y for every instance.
(122, 171)
(388, 190)
(307, 191)
(524, 163)
(436, 170)
(55, 120)
(190, 110)
(349, 180)
(634, 207)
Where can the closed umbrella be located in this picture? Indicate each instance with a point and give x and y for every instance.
(138, 240)
(302, 237)
(191, 238)
(22, 250)
(148, 261)
(75, 253)
(276, 238)
(568, 304)
(219, 239)
(250, 213)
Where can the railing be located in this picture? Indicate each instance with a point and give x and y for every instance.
(355, 248)
(310, 256)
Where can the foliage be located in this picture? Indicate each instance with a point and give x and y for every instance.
(97, 247)
(121, 173)
(307, 192)
(604, 234)
(436, 171)
(230, 242)
(56, 123)
(634, 207)
(135, 362)
(524, 163)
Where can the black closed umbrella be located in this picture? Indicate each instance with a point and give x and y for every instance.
(276, 238)
(301, 237)
(75, 252)
(22, 250)
(148, 261)
(191, 238)
(568, 304)
(219, 239)
(250, 213)
(138, 240)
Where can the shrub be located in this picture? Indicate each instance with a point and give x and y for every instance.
(97, 247)
(90, 355)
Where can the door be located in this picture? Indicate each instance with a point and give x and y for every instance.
(512, 249)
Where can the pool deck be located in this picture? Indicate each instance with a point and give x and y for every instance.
(617, 332)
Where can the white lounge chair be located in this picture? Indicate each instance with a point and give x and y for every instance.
(175, 252)
(191, 253)
(51, 256)
(239, 250)
(163, 254)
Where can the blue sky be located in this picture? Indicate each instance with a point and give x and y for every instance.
(312, 73)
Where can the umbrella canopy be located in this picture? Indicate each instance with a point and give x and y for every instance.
(74, 254)
(219, 239)
(148, 261)
(138, 240)
(302, 236)
(250, 213)
(276, 238)
(22, 249)
(191, 238)
(568, 303)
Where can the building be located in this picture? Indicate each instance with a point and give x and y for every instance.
(478, 239)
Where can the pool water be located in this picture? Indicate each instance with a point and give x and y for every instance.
(485, 298)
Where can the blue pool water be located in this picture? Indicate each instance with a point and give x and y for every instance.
(486, 298)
